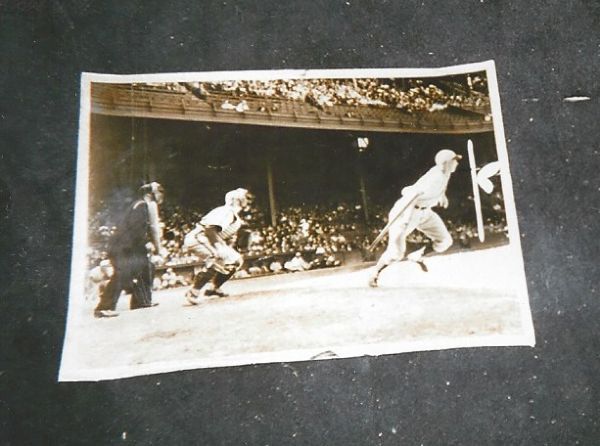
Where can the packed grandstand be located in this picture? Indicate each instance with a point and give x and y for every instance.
(415, 95)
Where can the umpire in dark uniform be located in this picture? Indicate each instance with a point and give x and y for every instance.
(128, 253)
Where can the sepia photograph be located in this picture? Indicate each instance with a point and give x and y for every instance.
(233, 218)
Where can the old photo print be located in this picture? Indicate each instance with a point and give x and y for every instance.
(231, 218)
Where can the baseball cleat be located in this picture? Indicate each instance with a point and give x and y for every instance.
(417, 257)
(105, 313)
(373, 282)
(423, 266)
(216, 292)
(192, 298)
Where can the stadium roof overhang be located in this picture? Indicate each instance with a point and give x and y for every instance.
(138, 101)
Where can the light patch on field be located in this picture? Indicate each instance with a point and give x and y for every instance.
(465, 300)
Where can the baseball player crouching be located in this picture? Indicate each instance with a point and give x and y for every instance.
(211, 241)
(413, 211)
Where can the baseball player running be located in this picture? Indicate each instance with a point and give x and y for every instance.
(211, 241)
(413, 211)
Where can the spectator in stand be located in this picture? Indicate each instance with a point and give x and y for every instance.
(242, 273)
(98, 278)
(464, 240)
(255, 270)
(276, 267)
(325, 94)
(242, 107)
(170, 279)
(297, 263)
(331, 261)
(227, 106)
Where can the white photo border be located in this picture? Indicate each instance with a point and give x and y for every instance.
(80, 231)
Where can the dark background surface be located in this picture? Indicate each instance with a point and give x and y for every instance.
(544, 51)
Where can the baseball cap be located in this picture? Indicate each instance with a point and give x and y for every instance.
(446, 155)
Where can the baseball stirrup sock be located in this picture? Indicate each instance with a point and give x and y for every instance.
(221, 278)
(202, 278)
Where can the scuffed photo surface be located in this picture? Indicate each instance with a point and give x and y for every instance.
(230, 218)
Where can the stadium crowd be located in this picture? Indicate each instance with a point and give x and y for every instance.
(408, 95)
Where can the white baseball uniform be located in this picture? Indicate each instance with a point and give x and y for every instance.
(226, 218)
(220, 254)
(432, 189)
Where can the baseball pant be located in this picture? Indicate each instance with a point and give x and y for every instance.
(219, 261)
(133, 273)
(423, 220)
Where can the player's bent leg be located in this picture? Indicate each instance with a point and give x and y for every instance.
(442, 245)
(202, 278)
(387, 258)
(433, 227)
(217, 282)
(205, 254)
(219, 279)
(396, 249)
(417, 257)
(226, 268)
